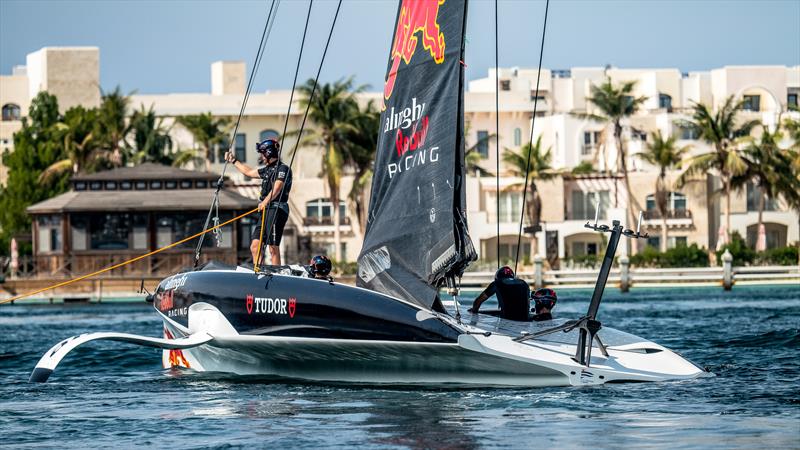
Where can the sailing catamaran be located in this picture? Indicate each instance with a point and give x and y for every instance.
(393, 327)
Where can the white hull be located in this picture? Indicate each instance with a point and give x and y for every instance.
(494, 360)
(485, 355)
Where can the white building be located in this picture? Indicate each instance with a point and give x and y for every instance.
(73, 74)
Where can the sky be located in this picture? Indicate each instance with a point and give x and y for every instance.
(167, 46)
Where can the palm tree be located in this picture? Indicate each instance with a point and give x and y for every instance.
(725, 135)
(663, 154)
(536, 165)
(770, 168)
(151, 140)
(614, 105)
(112, 126)
(360, 155)
(331, 108)
(207, 131)
(81, 149)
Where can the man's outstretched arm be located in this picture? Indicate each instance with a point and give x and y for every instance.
(243, 168)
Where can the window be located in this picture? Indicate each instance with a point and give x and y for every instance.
(141, 185)
(11, 111)
(483, 143)
(517, 137)
(320, 212)
(537, 98)
(677, 241)
(654, 241)
(113, 231)
(328, 248)
(591, 139)
(665, 102)
(753, 198)
(80, 186)
(267, 134)
(751, 103)
(201, 184)
(510, 207)
(49, 234)
(222, 147)
(171, 227)
(676, 206)
(109, 231)
(95, 185)
(79, 226)
(111, 185)
(171, 184)
(687, 131)
(155, 185)
(581, 248)
(186, 184)
(241, 147)
(791, 99)
(584, 205)
(509, 251)
(505, 85)
(125, 185)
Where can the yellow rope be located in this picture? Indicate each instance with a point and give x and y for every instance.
(115, 266)
(260, 240)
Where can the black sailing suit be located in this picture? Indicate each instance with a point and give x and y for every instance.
(277, 212)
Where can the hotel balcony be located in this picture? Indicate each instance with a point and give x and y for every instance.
(675, 218)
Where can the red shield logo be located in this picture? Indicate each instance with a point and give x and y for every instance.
(292, 306)
(249, 304)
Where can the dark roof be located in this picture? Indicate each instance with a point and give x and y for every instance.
(141, 201)
(146, 171)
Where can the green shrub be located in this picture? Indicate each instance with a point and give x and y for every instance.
(685, 256)
(742, 254)
(680, 256)
(345, 268)
(588, 261)
(781, 256)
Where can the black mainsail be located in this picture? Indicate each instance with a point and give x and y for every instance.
(416, 232)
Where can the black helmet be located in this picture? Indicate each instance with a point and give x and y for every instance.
(503, 273)
(544, 298)
(320, 266)
(269, 148)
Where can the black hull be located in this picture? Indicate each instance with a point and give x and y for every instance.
(294, 306)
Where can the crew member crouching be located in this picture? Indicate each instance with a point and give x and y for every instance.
(513, 295)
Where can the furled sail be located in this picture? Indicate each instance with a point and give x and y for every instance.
(417, 227)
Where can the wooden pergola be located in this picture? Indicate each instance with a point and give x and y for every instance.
(112, 216)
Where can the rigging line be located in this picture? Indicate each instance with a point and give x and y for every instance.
(256, 63)
(311, 97)
(132, 260)
(530, 143)
(497, 125)
(283, 135)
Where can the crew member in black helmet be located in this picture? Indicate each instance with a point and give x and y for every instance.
(276, 183)
(320, 267)
(512, 295)
(544, 301)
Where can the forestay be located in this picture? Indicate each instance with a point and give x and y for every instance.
(417, 229)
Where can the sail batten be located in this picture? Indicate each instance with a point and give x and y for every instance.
(416, 232)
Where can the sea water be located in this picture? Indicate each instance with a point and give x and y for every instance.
(113, 395)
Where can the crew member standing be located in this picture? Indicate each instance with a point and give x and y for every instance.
(276, 183)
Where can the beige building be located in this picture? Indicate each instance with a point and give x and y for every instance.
(569, 201)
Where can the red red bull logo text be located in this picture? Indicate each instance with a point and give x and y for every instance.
(415, 16)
